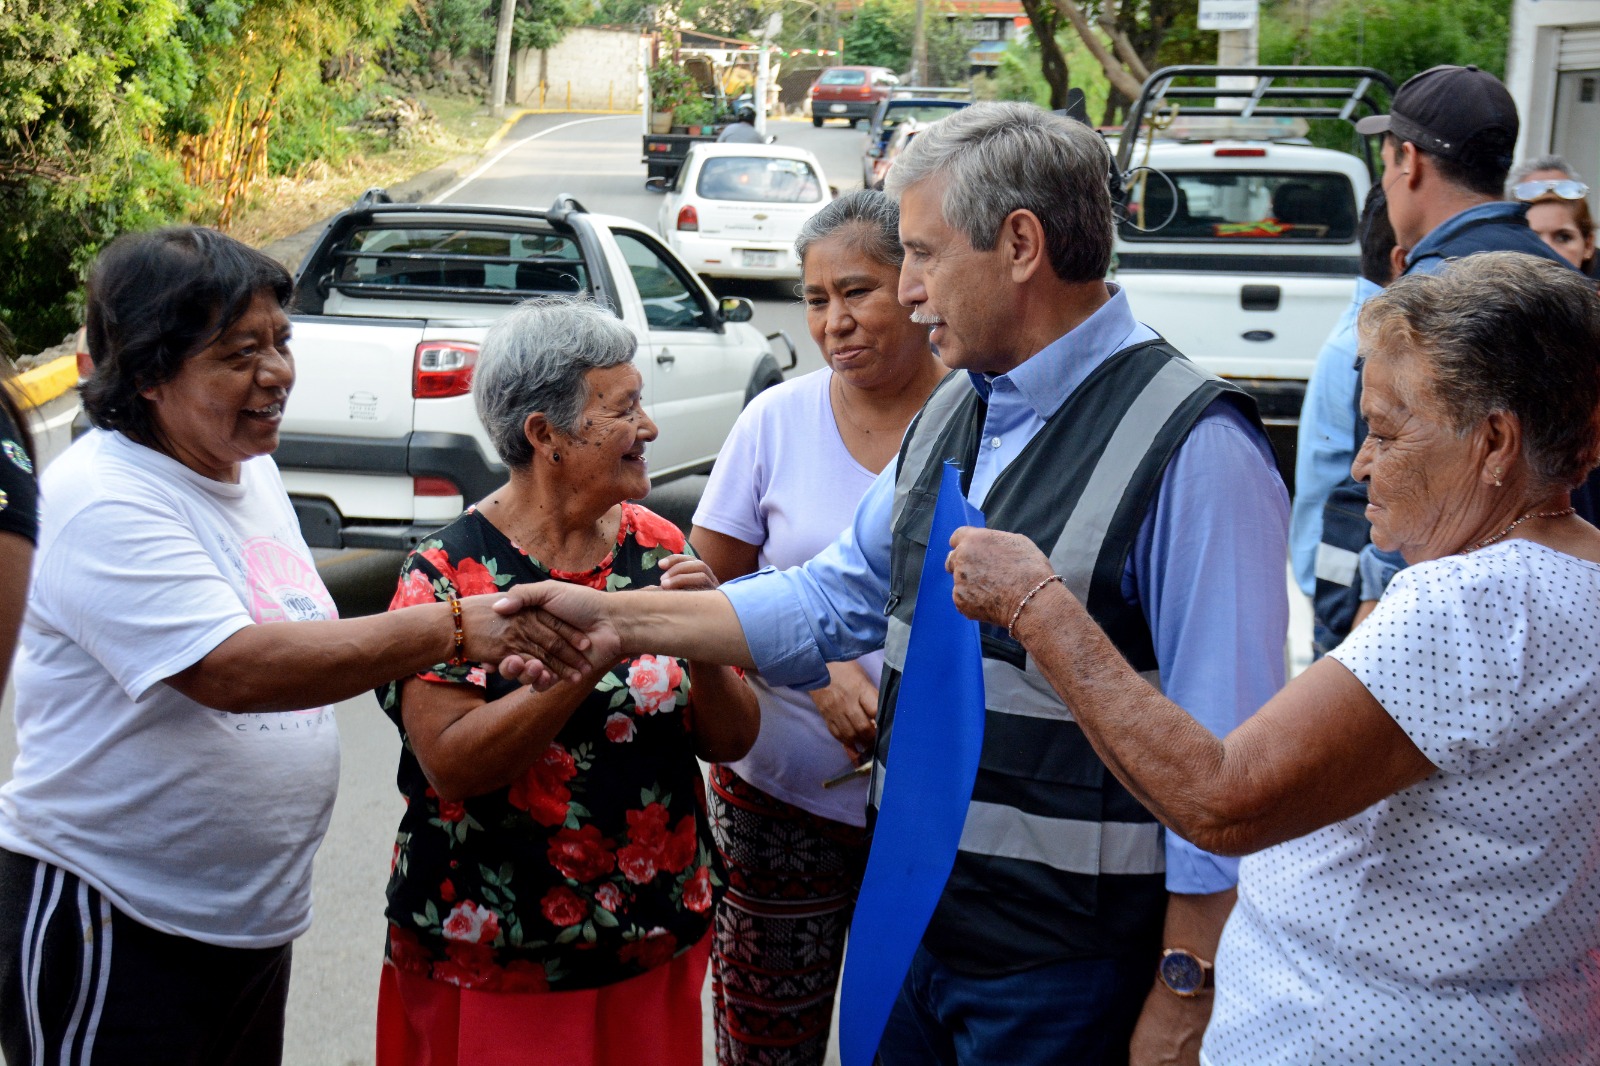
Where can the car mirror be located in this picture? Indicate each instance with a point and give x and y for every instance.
(833, 190)
(735, 309)
(658, 184)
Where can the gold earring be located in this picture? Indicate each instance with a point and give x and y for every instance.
(1497, 482)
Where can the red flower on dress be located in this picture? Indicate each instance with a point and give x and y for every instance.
(416, 587)
(439, 559)
(609, 896)
(542, 790)
(582, 854)
(638, 864)
(678, 850)
(697, 891)
(648, 826)
(619, 728)
(644, 854)
(520, 975)
(653, 682)
(563, 907)
(449, 810)
(447, 890)
(406, 951)
(650, 530)
(467, 965)
(473, 578)
(471, 923)
(651, 950)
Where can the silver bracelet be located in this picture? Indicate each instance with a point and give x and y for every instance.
(1031, 594)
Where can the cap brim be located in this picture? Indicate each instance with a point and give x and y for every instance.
(1373, 124)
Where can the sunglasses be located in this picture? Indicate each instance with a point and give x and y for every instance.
(1566, 189)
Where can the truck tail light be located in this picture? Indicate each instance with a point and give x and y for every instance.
(443, 368)
(434, 486)
(688, 218)
(1249, 153)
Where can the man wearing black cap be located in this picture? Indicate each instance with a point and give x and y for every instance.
(1447, 148)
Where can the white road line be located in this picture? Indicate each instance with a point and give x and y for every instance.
(508, 149)
(59, 420)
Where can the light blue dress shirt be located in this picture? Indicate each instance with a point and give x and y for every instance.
(1326, 445)
(1206, 567)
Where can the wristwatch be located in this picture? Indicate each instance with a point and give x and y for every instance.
(1185, 973)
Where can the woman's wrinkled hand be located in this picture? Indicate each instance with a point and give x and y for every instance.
(563, 633)
(849, 707)
(685, 573)
(993, 571)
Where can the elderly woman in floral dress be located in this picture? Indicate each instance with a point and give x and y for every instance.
(554, 871)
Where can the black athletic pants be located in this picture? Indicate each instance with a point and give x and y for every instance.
(82, 983)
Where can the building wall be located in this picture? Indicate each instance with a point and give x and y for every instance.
(1533, 74)
(602, 68)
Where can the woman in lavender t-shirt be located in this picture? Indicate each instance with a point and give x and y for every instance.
(785, 486)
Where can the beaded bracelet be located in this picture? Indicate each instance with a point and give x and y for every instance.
(1031, 594)
(461, 636)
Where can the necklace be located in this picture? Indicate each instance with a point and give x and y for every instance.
(1485, 542)
(844, 408)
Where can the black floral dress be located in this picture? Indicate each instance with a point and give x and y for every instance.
(597, 864)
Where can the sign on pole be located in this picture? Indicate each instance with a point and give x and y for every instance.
(1228, 14)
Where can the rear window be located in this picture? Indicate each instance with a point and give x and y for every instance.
(493, 263)
(843, 77)
(1243, 206)
(753, 178)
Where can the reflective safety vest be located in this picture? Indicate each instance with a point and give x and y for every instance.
(1057, 860)
(1266, 227)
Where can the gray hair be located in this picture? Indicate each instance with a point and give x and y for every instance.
(873, 218)
(998, 157)
(1520, 172)
(1503, 331)
(534, 359)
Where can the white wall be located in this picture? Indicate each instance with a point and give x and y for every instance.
(601, 68)
(1536, 28)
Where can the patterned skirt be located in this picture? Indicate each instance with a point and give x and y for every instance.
(780, 927)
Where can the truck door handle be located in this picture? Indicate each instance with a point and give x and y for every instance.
(665, 357)
(1260, 297)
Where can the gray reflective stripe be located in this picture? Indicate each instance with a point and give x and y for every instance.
(896, 640)
(1336, 564)
(1065, 844)
(1078, 548)
(875, 788)
(1007, 690)
(920, 447)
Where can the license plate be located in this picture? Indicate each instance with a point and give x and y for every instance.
(759, 259)
(837, 109)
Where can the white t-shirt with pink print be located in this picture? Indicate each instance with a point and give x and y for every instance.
(194, 821)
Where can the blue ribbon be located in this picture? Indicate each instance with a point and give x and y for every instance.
(936, 736)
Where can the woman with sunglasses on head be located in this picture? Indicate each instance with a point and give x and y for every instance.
(1558, 210)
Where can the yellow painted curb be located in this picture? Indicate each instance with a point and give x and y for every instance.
(42, 384)
(517, 116)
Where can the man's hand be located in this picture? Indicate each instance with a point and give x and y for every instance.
(993, 571)
(567, 633)
(849, 706)
(489, 634)
(1170, 1026)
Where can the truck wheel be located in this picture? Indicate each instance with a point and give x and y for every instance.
(816, 120)
(766, 375)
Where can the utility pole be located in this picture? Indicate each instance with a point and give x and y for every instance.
(919, 45)
(502, 58)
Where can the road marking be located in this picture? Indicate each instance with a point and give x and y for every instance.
(502, 153)
(60, 420)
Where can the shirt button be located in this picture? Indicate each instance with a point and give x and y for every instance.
(994, 442)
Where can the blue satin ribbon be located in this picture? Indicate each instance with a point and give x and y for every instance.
(935, 739)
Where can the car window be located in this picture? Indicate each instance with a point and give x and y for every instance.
(843, 77)
(397, 261)
(922, 111)
(758, 179)
(1243, 206)
(670, 302)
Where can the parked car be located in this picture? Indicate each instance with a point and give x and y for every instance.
(850, 93)
(736, 209)
(380, 443)
(890, 113)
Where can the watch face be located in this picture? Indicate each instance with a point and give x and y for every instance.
(1182, 973)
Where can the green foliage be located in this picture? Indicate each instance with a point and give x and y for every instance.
(697, 112)
(1398, 37)
(670, 86)
(432, 32)
(880, 36)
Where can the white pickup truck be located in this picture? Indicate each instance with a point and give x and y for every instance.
(1240, 248)
(380, 443)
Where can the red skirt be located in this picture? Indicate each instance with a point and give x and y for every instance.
(649, 1020)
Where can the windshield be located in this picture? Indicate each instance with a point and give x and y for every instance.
(922, 111)
(843, 77)
(753, 178)
(1241, 206)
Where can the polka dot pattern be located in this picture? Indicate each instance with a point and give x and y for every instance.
(1457, 921)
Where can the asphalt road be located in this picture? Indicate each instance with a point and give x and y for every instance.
(332, 1002)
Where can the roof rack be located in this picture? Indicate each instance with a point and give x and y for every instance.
(1269, 98)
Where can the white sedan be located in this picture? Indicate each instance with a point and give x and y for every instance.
(736, 209)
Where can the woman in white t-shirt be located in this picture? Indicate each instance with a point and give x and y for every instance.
(1420, 808)
(177, 755)
(786, 483)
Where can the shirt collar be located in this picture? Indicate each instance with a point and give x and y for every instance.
(1500, 210)
(1049, 376)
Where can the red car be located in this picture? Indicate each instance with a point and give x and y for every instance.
(850, 93)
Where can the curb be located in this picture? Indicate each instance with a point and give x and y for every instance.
(42, 384)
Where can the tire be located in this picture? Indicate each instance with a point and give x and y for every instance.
(816, 120)
(855, 123)
(764, 377)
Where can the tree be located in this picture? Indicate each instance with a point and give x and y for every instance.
(1047, 22)
(1398, 38)
(879, 35)
(1129, 40)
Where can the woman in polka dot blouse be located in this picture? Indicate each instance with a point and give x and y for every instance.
(1421, 809)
